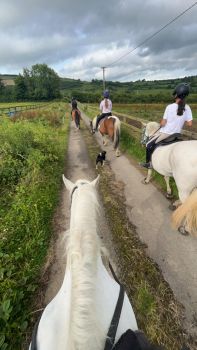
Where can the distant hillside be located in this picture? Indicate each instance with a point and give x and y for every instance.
(139, 84)
(129, 92)
(8, 79)
(137, 91)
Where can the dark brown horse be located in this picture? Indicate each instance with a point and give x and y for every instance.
(109, 126)
(76, 116)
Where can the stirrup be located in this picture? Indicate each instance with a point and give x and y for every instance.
(146, 165)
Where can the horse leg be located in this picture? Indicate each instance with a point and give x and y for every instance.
(76, 120)
(169, 190)
(175, 205)
(147, 179)
(104, 140)
(117, 152)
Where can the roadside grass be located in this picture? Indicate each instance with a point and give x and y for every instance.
(32, 159)
(158, 313)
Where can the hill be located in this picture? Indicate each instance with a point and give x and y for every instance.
(8, 79)
(140, 91)
(137, 91)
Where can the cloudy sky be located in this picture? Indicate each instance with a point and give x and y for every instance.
(77, 37)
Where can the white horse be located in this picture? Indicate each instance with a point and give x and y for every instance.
(179, 160)
(80, 315)
(148, 131)
(109, 126)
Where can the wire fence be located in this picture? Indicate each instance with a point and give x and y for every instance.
(136, 124)
(12, 110)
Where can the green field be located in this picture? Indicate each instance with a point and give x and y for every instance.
(152, 111)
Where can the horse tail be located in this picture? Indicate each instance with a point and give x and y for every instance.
(187, 212)
(116, 133)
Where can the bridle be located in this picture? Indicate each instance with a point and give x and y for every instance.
(74, 189)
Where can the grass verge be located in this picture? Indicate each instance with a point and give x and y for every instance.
(32, 158)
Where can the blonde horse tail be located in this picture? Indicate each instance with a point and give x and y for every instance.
(116, 133)
(187, 212)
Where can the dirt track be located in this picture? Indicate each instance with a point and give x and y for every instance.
(148, 211)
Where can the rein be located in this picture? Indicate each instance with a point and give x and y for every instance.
(111, 335)
(150, 137)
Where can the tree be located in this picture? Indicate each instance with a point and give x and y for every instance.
(21, 92)
(38, 83)
(1, 87)
(45, 82)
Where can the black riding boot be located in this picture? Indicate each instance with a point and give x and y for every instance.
(99, 117)
(149, 150)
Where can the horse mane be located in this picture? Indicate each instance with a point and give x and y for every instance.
(83, 249)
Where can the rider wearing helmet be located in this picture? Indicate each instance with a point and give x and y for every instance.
(174, 118)
(105, 107)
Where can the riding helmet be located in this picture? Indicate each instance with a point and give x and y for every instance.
(106, 93)
(181, 90)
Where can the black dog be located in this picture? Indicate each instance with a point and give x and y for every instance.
(100, 159)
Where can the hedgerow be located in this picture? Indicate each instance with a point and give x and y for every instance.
(31, 164)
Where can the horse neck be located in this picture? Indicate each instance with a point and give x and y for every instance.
(151, 128)
(83, 256)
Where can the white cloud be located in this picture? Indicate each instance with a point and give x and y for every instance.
(76, 38)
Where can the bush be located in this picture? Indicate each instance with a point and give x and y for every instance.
(32, 159)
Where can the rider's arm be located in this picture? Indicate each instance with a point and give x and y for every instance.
(189, 117)
(165, 117)
(189, 123)
(163, 122)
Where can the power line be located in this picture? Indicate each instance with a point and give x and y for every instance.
(150, 37)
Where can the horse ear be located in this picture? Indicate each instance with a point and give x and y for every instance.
(69, 185)
(96, 181)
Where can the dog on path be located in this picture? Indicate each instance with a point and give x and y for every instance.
(100, 159)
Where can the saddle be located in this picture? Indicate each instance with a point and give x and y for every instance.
(131, 340)
(170, 139)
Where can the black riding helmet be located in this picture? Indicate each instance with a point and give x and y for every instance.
(181, 90)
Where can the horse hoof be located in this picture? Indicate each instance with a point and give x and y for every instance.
(169, 195)
(183, 231)
(144, 181)
(172, 207)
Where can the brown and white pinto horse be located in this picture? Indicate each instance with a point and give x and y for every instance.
(109, 126)
(76, 116)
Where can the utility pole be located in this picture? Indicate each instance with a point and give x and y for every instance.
(103, 68)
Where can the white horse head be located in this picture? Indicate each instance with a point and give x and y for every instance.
(79, 316)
